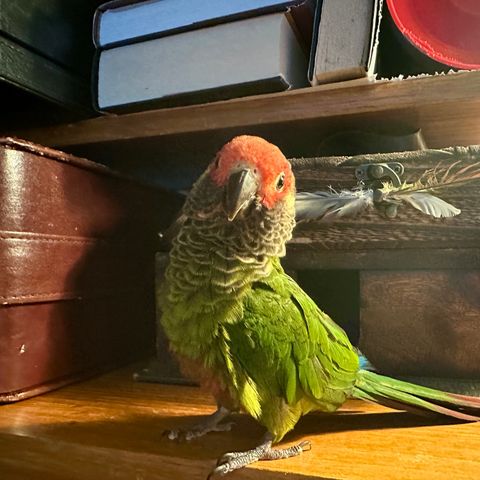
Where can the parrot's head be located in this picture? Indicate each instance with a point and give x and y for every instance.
(253, 176)
(244, 201)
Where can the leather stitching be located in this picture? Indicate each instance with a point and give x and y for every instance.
(70, 295)
(60, 239)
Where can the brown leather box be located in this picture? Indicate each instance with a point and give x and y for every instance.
(77, 244)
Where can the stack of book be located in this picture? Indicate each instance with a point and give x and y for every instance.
(155, 53)
(175, 52)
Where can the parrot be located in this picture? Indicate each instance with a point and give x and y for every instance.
(245, 330)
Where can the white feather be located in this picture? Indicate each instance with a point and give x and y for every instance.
(329, 206)
(430, 204)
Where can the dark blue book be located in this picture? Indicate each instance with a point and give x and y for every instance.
(128, 21)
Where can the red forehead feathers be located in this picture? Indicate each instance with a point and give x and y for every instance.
(262, 156)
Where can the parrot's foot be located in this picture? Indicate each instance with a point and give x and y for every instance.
(196, 431)
(234, 460)
(210, 424)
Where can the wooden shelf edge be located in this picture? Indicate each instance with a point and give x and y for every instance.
(456, 91)
(303, 258)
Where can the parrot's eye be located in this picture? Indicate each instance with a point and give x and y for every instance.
(280, 182)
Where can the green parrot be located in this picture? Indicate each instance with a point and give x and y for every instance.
(245, 330)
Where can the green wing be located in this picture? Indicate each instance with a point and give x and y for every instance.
(288, 349)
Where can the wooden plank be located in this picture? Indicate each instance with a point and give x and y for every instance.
(446, 107)
(360, 234)
(111, 427)
(422, 323)
(301, 257)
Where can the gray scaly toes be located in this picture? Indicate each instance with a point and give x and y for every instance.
(234, 460)
(210, 424)
(196, 431)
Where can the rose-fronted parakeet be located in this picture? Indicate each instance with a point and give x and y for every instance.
(245, 330)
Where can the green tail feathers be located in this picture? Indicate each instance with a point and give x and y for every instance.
(414, 398)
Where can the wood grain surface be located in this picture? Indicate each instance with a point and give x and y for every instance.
(446, 243)
(421, 323)
(111, 427)
(446, 107)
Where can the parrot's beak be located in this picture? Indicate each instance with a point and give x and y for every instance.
(241, 190)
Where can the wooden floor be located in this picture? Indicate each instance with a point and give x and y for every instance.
(110, 428)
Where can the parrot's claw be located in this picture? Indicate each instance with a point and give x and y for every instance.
(306, 445)
(234, 460)
(227, 457)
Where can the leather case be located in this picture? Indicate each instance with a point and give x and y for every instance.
(77, 244)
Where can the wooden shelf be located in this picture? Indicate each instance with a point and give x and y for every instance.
(110, 427)
(446, 107)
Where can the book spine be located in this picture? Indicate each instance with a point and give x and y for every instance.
(304, 8)
(96, 21)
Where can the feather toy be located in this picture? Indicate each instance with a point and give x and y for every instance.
(332, 205)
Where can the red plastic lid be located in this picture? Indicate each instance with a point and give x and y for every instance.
(446, 30)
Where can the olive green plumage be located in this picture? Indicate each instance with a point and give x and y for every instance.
(298, 360)
(228, 304)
